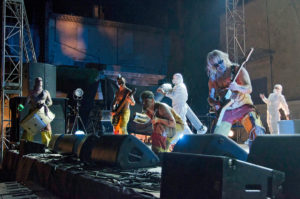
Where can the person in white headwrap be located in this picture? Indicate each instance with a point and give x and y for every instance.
(179, 96)
(38, 98)
(274, 102)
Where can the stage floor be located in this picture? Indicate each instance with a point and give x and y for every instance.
(68, 177)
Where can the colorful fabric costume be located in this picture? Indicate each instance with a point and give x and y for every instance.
(162, 135)
(241, 110)
(121, 127)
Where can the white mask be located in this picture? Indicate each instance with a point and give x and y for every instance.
(222, 68)
(177, 79)
(277, 89)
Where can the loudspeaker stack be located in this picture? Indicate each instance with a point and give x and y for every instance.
(121, 151)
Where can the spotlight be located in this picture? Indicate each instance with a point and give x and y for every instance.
(79, 132)
(78, 93)
(181, 136)
(231, 133)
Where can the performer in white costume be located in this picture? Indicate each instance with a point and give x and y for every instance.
(179, 96)
(274, 102)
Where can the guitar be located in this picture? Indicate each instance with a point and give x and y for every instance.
(117, 110)
(227, 100)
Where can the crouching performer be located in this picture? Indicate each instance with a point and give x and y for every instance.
(165, 122)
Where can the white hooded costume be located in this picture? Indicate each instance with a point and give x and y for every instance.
(274, 102)
(179, 96)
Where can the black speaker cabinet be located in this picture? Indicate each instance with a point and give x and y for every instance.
(193, 176)
(280, 152)
(122, 151)
(66, 143)
(27, 147)
(58, 125)
(16, 117)
(210, 144)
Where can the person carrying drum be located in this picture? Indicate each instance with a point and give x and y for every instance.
(39, 98)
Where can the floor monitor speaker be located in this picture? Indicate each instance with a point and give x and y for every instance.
(123, 151)
(210, 144)
(280, 152)
(194, 176)
(65, 143)
(27, 147)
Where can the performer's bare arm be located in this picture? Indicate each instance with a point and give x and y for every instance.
(212, 94)
(166, 113)
(131, 100)
(242, 83)
(48, 99)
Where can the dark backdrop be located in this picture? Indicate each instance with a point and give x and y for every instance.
(193, 26)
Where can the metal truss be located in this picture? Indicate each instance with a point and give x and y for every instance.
(16, 46)
(235, 30)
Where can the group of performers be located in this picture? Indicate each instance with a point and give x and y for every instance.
(221, 71)
(168, 123)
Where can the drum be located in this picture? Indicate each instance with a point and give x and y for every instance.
(141, 118)
(37, 120)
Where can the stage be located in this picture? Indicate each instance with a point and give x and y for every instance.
(201, 165)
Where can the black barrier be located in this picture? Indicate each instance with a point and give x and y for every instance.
(27, 147)
(72, 179)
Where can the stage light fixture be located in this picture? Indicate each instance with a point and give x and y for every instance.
(79, 132)
(181, 136)
(231, 133)
(78, 93)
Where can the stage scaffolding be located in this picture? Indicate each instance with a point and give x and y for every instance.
(17, 47)
(235, 30)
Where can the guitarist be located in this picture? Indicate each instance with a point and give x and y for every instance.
(120, 107)
(222, 72)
